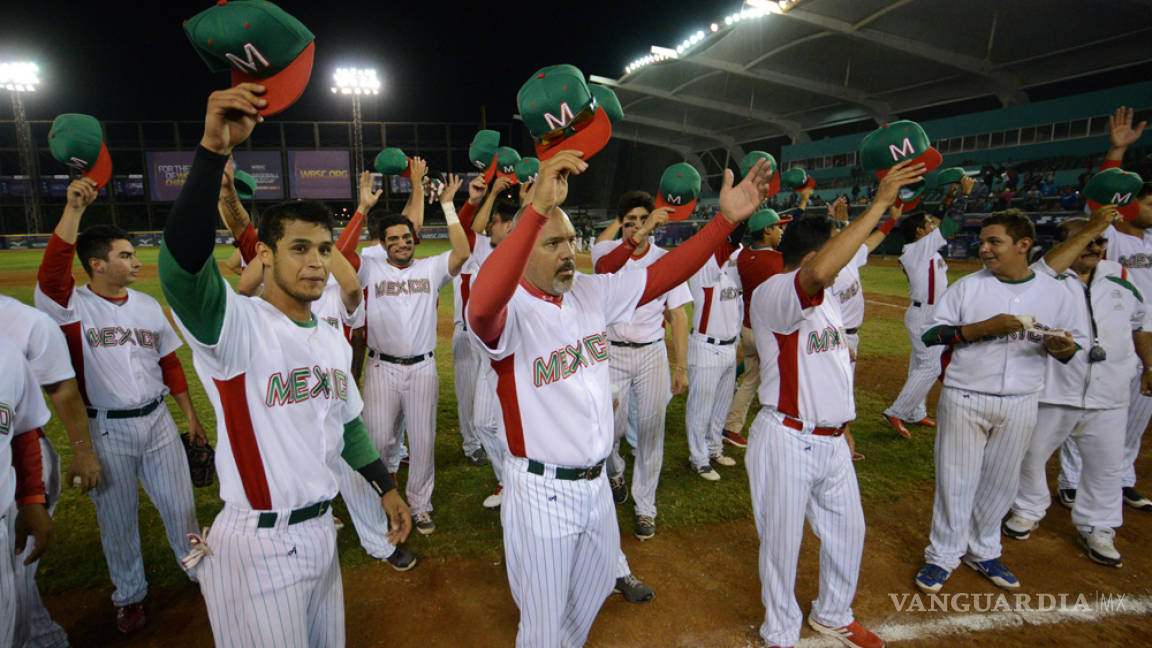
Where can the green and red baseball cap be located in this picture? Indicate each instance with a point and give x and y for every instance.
(392, 161)
(527, 169)
(562, 113)
(797, 179)
(766, 218)
(750, 161)
(1115, 187)
(679, 189)
(894, 143)
(78, 141)
(948, 177)
(245, 184)
(606, 98)
(506, 159)
(260, 43)
(482, 152)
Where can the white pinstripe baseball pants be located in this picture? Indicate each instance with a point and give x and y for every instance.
(145, 449)
(367, 514)
(793, 477)
(746, 392)
(711, 381)
(7, 582)
(980, 442)
(561, 544)
(278, 586)
(488, 420)
(389, 390)
(642, 376)
(466, 361)
(1139, 413)
(923, 367)
(34, 627)
(1100, 434)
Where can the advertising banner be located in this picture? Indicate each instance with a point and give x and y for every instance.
(167, 171)
(267, 168)
(320, 174)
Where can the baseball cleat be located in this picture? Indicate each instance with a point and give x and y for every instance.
(931, 578)
(898, 425)
(401, 559)
(645, 527)
(1098, 544)
(1067, 497)
(706, 472)
(1136, 500)
(477, 457)
(927, 421)
(1018, 527)
(130, 618)
(337, 523)
(423, 523)
(722, 459)
(734, 438)
(494, 500)
(852, 634)
(619, 490)
(633, 589)
(995, 571)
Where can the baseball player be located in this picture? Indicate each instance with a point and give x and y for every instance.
(287, 408)
(927, 275)
(798, 465)
(46, 351)
(999, 325)
(1087, 399)
(400, 375)
(639, 357)
(545, 327)
(22, 490)
(123, 352)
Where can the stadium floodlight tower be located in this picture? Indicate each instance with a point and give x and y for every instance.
(356, 83)
(18, 77)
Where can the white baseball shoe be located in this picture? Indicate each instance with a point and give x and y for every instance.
(1018, 527)
(706, 472)
(494, 500)
(722, 459)
(1098, 544)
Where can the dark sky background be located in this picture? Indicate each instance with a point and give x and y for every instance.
(439, 61)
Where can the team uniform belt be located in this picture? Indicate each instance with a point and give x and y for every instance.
(797, 424)
(852, 331)
(631, 345)
(917, 304)
(126, 413)
(267, 519)
(569, 474)
(712, 340)
(410, 360)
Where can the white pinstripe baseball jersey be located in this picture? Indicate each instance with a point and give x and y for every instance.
(926, 270)
(848, 291)
(330, 308)
(401, 303)
(462, 283)
(22, 409)
(718, 308)
(40, 339)
(648, 323)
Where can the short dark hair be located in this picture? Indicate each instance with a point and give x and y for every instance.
(1016, 223)
(1145, 190)
(379, 221)
(1063, 230)
(272, 219)
(910, 224)
(632, 200)
(804, 236)
(96, 242)
(504, 209)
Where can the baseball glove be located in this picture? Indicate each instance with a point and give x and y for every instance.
(201, 462)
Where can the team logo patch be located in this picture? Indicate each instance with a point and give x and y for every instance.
(5, 419)
(252, 58)
(904, 150)
(304, 384)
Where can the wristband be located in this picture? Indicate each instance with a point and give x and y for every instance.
(450, 213)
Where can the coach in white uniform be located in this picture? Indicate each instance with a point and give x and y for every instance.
(996, 324)
(1086, 400)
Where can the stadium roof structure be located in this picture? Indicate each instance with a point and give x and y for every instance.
(784, 69)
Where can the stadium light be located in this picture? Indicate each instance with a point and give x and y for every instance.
(19, 76)
(356, 82)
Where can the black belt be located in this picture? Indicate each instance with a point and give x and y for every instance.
(631, 345)
(127, 413)
(917, 304)
(411, 360)
(267, 519)
(570, 474)
(712, 340)
(852, 331)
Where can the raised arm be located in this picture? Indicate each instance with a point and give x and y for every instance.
(414, 208)
(610, 232)
(1064, 254)
(234, 215)
(880, 233)
(461, 249)
(55, 274)
(476, 190)
(614, 260)
(954, 215)
(350, 236)
(484, 213)
(351, 292)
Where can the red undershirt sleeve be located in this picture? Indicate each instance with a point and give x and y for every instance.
(467, 213)
(675, 267)
(614, 260)
(349, 238)
(173, 372)
(247, 243)
(887, 226)
(496, 282)
(1110, 164)
(55, 274)
(27, 461)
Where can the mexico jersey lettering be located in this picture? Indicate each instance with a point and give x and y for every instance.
(754, 267)
(330, 310)
(925, 269)
(552, 370)
(22, 409)
(462, 283)
(1008, 365)
(282, 392)
(806, 371)
(401, 303)
(717, 308)
(1135, 254)
(115, 346)
(648, 323)
(848, 291)
(38, 338)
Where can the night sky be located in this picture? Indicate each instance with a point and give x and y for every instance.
(117, 62)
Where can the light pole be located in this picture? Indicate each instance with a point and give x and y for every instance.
(356, 82)
(17, 78)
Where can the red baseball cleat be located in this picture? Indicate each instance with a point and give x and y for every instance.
(899, 425)
(927, 421)
(735, 438)
(852, 634)
(130, 618)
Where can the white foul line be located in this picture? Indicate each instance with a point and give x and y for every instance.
(880, 303)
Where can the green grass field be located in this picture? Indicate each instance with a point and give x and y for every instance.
(894, 467)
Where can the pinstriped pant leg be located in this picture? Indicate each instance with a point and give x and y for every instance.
(465, 362)
(959, 453)
(1071, 464)
(1000, 474)
(837, 518)
(594, 562)
(923, 369)
(488, 423)
(419, 398)
(381, 411)
(651, 390)
(1139, 413)
(725, 386)
(117, 512)
(707, 392)
(165, 477)
(326, 605)
(619, 369)
(368, 517)
(7, 579)
(34, 626)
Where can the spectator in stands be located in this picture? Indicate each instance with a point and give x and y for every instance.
(1068, 199)
(1033, 200)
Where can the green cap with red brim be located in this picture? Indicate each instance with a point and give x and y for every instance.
(948, 177)
(561, 112)
(679, 189)
(482, 152)
(245, 184)
(78, 141)
(260, 43)
(797, 179)
(766, 218)
(606, 98)
(750, 161)
(894, 143)
(392, 161)
(506, 159)
(1115, 187)
(527, 168)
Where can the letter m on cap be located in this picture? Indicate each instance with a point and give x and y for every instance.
(673, 199)
(565, 118)
(905, 149)
(252, 56)
(1121, 199)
